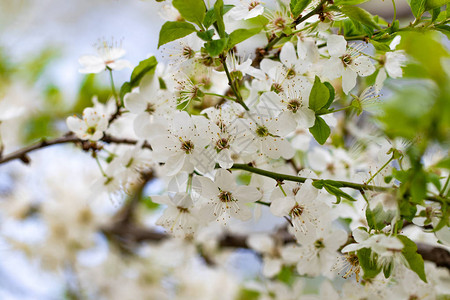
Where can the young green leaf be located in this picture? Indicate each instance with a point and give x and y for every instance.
(417, 7)
(191, 10)
(206, 35)
(145, 67)
(319, 96)
(215, 47)
(349, 2)
(359, 15)
(210, 16)
(171, 31)
(414, 259)
(320, 130)
(297, 6)
(240, 35)
(218, 11)
(367, 263)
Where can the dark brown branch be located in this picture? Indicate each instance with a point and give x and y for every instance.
(22, 154)
(133, 234)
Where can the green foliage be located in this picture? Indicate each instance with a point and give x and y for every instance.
(417, 7)
(297, 6)
(319, 96)
(360, 15)
(145, 67)
(191, 10)
(210, 16)
(349, 2)
(414, 259)
(218, 11)
(206, 35)
(171, 31)
(333, 188)
(40, 126)
(215, 47)
(367, 263)
(240, 35)
(149, 204)
(321, 131)
(378, 218)
(89, 88)
(245, 294)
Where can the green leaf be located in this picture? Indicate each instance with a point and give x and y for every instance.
(380, 46)
(216, 47)
(218, 11)
(125, 89)
(191, 10)
(332, 94)
(206, 35)
(210, 16)
(387, 269)
(444, 163)
(338, 193)
(432, 4)
(240, 35)
(297, 6)
(171, 31)
(349, 2)
(414, 259)
(145, 67)
(368, 265)
(319, 95)
(377, 218)
(320, 130)
(407, 210)
(417, 7)
(359, 15)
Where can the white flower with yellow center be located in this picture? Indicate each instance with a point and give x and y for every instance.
(91, 127)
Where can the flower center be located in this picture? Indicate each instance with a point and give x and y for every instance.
(187, 146)
(294, 105)
(319, 244)
(279, 23)
(297, 211)
(91, 130)
(187, 52)
(183, 210)
(252, 5)
(262, 131)
(347, 59)
(290, 73)
(276, 87)
(225, 197)
(222, 144)
(150, 108)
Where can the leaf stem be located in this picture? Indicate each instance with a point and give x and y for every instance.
(382, 167)
(231, 84)
(113, 88)
(221, 96)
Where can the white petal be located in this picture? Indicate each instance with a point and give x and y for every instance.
(271, 267)
(120, 64)
(348, 80)
(247, 194)
(261, 243)
(135, 103)
(379, 81)
(336, 45)
(288, 55)
(282, 206)
(363, 66)
(225, 180)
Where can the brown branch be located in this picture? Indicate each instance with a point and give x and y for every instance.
(134, 234)
(22, 154)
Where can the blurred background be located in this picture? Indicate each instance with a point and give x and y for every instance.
(40, 43)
